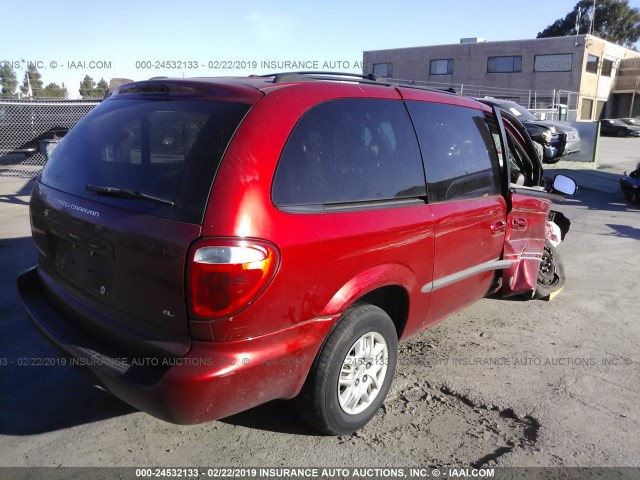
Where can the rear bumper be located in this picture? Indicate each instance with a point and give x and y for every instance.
(213, 380)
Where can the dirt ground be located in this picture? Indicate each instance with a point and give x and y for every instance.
(503, 383)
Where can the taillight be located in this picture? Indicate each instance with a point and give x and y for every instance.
(226, 276)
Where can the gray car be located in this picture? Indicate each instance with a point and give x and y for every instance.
(634, 122)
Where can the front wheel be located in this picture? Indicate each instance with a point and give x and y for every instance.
(551, 276)
(352, 374)
(632, 197)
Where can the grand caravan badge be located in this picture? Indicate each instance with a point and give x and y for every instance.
(78, 208)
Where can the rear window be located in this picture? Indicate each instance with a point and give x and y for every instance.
(166, 149)
(458, 149)
(350, 150)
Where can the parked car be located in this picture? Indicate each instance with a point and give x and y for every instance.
(198, 258)
(630, 185)
(24, 125)
(557, 138)
(634, 122)
(618, 128)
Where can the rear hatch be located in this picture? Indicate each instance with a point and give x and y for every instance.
(120, 201)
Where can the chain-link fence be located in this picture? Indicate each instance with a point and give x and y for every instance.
(31, 129)
(538, 101)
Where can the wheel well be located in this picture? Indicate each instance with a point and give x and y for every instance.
(394, 300)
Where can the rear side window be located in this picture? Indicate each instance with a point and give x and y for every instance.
(350, 150)
(458, 150)
(169, 150)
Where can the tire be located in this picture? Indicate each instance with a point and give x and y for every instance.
(539, 151)
(621, 133)
(551, 276)
(629, 197)
(333, 399)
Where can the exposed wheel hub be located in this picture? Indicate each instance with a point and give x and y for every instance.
(547, 272)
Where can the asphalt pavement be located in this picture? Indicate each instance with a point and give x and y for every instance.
(615, 157)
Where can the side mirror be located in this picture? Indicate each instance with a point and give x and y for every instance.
(564, 184)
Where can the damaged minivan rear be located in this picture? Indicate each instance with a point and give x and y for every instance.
(114, 214)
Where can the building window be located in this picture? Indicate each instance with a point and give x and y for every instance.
(553, 63)
(607, 67)
(504, 64)
(383, 69)
(592, 64)
(441, 67)
(586, 109)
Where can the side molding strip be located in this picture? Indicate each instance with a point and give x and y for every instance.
(469, 272)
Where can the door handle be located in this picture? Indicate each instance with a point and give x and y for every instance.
(499, 227)
(519, 223)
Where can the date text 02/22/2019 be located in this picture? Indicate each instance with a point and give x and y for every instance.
(291, 65)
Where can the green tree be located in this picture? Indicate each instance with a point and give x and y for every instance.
(102, 88)
(35, 81)
(8, 81)
(88, 88)
(614, 21)
(53, 90)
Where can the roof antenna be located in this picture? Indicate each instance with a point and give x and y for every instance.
(592, 18)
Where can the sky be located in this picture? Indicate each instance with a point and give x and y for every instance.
(69, 39)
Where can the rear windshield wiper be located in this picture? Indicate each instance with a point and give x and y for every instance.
(123, 193)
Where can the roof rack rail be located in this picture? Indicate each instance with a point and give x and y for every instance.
(320, 75)
(349, 77)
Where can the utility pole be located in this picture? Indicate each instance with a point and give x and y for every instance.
(633, 97)
(593, 18)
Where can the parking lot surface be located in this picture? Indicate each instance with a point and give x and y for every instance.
(503, 383)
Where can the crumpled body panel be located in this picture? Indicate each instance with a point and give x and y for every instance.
(524, 243)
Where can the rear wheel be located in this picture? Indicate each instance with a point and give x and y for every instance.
(352, 373)
(551, 276)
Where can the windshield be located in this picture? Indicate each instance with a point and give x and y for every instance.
(518, 111)
(631, 121)
(128, 150)
(617, 123)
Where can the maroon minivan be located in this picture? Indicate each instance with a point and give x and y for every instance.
(208, 245)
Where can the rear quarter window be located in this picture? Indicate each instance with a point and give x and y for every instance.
(458, 150)
(168, 149)
(347, 151)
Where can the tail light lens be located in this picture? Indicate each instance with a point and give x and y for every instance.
(226, 276)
